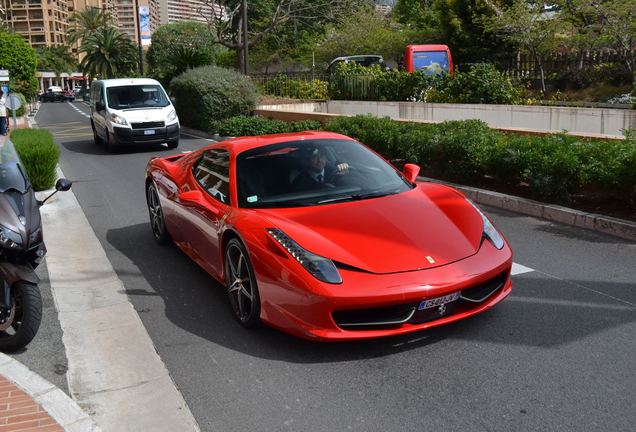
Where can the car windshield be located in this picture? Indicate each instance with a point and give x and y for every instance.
(137, 96)
(433, 62)
(313, 172)
(12, 174)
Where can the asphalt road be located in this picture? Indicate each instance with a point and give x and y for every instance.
(559, 354)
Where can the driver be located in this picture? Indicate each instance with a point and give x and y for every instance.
(316, 173)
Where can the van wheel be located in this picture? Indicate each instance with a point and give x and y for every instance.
(98, 141)
(173, 144)
(109, 144)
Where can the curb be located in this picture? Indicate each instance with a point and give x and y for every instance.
(600, 223)
(198, 134)
(55, 402)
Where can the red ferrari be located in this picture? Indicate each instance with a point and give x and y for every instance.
(315, 234)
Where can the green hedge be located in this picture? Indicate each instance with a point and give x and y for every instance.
(483, 83)
(249, 126)
(39, 154)
(552, 165)
(210, 93)
(283, 86)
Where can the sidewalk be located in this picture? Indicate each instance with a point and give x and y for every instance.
(28, 403)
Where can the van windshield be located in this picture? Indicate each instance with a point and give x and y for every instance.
(137, 96)
(432, 62)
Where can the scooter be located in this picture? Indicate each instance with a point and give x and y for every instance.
(21, 251)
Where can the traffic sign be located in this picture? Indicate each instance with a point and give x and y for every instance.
(13, 102)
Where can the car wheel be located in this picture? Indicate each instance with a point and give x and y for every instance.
(241, 285)
(173, 144)
(157, 222)
(96, 138)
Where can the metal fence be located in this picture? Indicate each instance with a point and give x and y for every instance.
(293, 85)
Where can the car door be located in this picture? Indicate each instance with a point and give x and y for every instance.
(211, 178)
(99, 116)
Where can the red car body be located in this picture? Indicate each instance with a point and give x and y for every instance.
(392, 252)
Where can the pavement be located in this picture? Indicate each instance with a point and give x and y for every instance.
(558, 354)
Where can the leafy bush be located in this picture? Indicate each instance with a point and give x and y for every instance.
(551, 165)
(283, 86)
(39, 154)
(209, 93)
(249, 126)
(481, 84)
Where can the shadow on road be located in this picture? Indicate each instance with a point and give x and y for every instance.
(88, 147)
(541, 311)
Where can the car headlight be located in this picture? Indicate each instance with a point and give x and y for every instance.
(172, 116)
(118, 120)
(490, 232)
(320, 267)
(10, 239)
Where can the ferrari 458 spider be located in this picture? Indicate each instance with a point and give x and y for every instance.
(315, 234)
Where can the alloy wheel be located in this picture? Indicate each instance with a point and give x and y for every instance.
(241, 290)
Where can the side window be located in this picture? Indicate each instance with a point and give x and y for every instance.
(213, 174)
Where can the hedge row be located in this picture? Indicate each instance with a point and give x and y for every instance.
(483, 83)
(552, 165)
(39, 154)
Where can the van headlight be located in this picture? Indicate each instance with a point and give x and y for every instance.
(172, 116)
(490, 232)
(118, 120)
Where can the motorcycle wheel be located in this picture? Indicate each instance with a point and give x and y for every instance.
(25, 318)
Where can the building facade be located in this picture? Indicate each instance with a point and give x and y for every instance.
(170, 11)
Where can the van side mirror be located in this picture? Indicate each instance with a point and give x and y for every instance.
(411, 171)
(99, 106)
(173, 100)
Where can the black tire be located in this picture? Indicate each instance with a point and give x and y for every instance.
(98, 141)
(109, 145)
(155, 212)
(244, 298)
(173, 144)
(27, 318)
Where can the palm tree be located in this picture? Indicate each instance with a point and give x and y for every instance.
(109, 53)
(86, 22)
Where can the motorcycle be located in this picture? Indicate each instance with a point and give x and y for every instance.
(21, 251)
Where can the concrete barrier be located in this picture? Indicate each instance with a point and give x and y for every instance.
(601, 123)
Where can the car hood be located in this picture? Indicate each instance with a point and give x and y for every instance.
(429, 226)
(142, 115)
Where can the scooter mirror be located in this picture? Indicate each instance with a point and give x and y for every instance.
(63, 185)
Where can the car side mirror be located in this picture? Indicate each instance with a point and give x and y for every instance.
(99, 106)
(173, 101)
(63, 185)
(193, 196)
(411, 171)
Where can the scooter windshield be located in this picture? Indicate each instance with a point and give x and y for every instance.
(12, 173)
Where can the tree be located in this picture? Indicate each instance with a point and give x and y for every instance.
(265, 17)
(526, 26)
(378, 35)
(618, 18)
(86, 22)
(20, 60)
(181, 46)
(57, 59)
(419, 15)
(109, 54)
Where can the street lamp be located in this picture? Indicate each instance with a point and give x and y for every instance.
(245, 41)
(141, 50)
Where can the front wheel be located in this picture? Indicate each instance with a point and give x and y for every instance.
(241, 285)
(20, 325)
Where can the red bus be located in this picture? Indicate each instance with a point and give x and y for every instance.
(434, 59)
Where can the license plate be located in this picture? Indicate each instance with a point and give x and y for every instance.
(149, 132)
(435, 302)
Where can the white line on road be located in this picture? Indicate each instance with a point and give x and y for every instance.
(518, 269)
(78, 110)
(114, 371)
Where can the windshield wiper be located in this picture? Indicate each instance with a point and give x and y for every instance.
(297, 203)
(358, 197)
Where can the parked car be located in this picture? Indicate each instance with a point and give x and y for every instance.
(50, 96)
(434, 59)
(358, 250)
(132, 111)
(362, 60)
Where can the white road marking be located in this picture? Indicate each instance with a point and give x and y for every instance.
(78, 110)
(114, 371)
(574, 303)
(518, 269)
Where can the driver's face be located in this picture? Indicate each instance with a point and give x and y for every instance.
(317, 162)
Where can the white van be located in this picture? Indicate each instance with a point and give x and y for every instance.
(132, 111)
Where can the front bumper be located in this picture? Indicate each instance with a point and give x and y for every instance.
(317, 311)
(126, 136)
